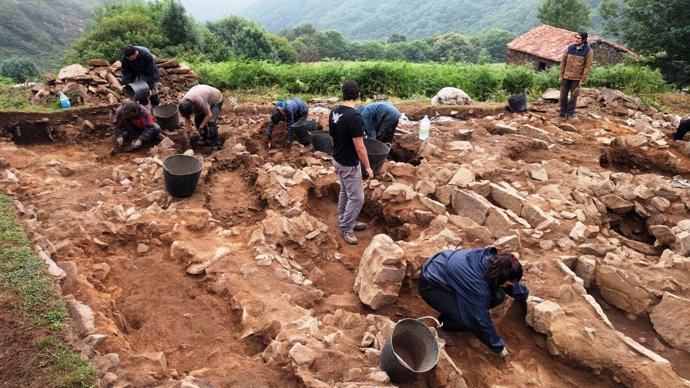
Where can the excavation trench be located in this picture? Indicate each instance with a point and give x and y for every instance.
(110, 216)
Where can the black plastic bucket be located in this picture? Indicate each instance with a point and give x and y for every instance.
(167, 116)
(377, 152)
(411, 349)
(517, 102)
(181, 174)
(137, 90)
(303, 128)
(322, 141)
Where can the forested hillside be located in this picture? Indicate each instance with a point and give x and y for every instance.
(42, 30)
(366, 19)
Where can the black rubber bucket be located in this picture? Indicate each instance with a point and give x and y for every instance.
(322, 141)
(167, 116)
(517, 102)
(181, 174)
(377, 152)
(411, 349)
(302, 130)
(137, 90)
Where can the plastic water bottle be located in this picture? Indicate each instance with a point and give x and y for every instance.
(424, 127)
(64, 101)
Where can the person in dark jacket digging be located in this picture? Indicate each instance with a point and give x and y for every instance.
(380, 120)
(206, 103)
(290, 111)
(135, 122)
(463, 285)
(138, 64)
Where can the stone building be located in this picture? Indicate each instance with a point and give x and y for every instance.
(544, 46)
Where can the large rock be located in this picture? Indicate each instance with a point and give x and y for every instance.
(451, 96)
(586, 269)
(623, 290)
(81, 315)
(671, 320)
(617, 204)
(470, 204)
(72, 71)
(534, 132)
(462, 178)
(499, 223)
(506, 196)
(381, 272)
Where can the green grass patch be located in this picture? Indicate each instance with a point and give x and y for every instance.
(18, 98)
(28, 290)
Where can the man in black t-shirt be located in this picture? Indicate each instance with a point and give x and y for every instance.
(345, 126)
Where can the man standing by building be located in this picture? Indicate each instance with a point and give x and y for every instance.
(575, 67)
(345, 127)
(138, 65)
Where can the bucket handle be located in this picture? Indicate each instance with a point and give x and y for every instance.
(438, 324)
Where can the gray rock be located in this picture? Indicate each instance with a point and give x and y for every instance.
(469, 204)
(585, 269)
(507, 197)
(623, 290)
(381, 272)
(617, 204)
(671, 320)
(301, 354)
(534, 132)
(502, 129)
(81, 315)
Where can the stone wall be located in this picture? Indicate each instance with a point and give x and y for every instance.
(604, 55)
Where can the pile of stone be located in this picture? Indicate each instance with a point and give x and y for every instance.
(100, 83)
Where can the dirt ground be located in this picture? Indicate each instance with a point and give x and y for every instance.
(146, 302)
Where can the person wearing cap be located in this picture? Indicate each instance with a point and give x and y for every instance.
(345, 127)
(134, 121)
(290, 111)
(575, 67)
(380, 120)
(138, 64)
(464, 284)
(206, 103)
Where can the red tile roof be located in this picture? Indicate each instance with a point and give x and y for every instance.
(550, 42)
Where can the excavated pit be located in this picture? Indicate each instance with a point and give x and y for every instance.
(226, 323)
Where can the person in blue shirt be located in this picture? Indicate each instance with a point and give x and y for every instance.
(380, 120)
(463, 285)
(290, 111)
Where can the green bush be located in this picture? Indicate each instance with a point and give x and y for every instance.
(18, 69)
(518, 79)
(631, 79)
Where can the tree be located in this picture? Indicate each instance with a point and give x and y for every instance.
(571, 15)
(658, 28)
(494, 41)
(453, 47)
(245, 39)
(18, 69)
(397, 38)
(177, 27)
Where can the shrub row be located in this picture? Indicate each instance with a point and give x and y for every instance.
(410, 80)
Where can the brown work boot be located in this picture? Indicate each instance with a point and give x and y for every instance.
(349, 238)
(359, 226)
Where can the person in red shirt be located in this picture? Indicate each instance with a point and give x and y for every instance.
(133, 121)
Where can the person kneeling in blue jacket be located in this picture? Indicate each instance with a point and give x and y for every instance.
(463, 285)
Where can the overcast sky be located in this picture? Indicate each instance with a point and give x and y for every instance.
(204, 10)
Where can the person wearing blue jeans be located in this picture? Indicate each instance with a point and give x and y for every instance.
(345, 127)
(464, 284)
